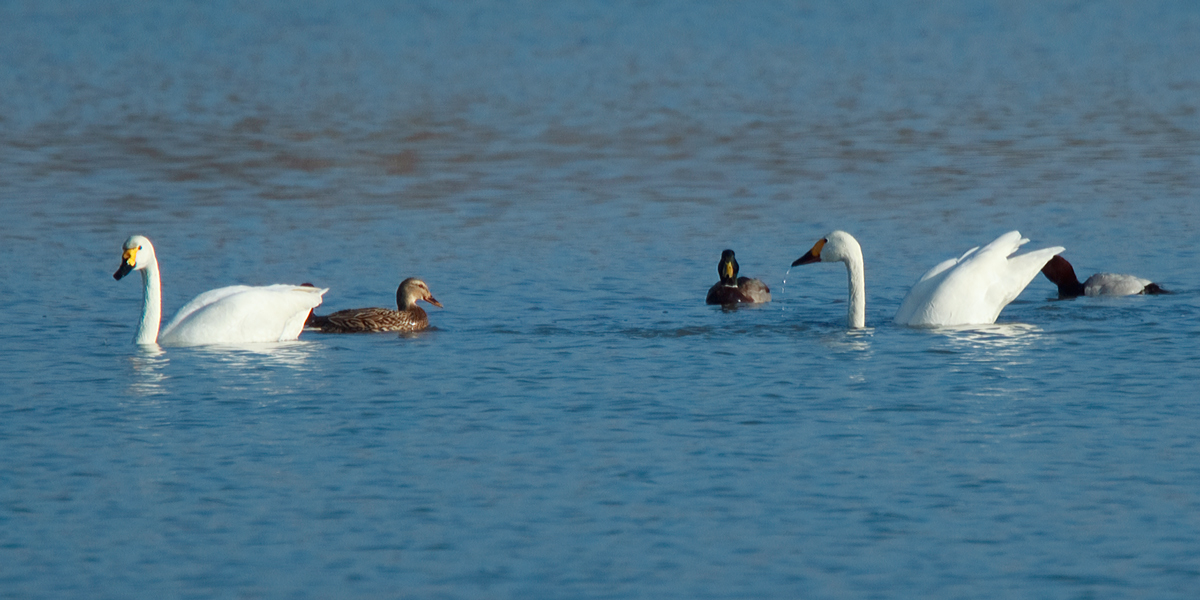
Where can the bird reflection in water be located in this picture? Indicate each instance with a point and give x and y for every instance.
(148, 362)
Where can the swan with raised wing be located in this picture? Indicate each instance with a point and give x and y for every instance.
(230, 315)
(969, 290)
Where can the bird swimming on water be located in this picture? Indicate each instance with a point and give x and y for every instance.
(1061, 273)
(236, 314)
(969, 290)
(732, 289)
(408, 317)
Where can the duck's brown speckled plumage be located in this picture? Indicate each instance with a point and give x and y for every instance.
(410, 317)
(732, 289)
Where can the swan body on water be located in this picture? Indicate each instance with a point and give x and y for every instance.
(974, 288)
(1061, 273)
(407, 317)
(732, 289)
(230, 315)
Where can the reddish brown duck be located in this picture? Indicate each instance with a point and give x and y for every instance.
(1062, 274)
(410, 317)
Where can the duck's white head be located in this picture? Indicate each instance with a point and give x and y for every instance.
(138, 254)
(838, 246)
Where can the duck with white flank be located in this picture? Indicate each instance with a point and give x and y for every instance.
(409, 317)
(732, 289)
(1061, 273)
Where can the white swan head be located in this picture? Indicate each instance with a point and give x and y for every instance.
(138, 254)
(840, 246)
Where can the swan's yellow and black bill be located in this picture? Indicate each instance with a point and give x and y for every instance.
(128, 261)
(812, 256)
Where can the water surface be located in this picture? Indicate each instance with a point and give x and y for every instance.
(578, 423)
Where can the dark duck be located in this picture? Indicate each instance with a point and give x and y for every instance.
(732, 289)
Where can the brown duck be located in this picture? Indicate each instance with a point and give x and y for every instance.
(732, 289)
(409, 317)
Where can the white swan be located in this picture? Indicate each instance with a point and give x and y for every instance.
(970, 290)
(228, 315)
(840, 246)
(1062, 274)
(974, 288)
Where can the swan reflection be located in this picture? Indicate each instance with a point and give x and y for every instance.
(292, 355)
(238, 365)
(995, 334)
(999, 342)
(267, 370)
(148, 364)
(851, 340)
(853, 347)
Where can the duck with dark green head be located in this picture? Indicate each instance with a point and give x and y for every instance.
(732, 289)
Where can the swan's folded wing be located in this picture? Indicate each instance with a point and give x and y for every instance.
(942, 266)
(996, 279)
(240, 314)
(917, 302)
(1005, 245)
(204, 299)
(1022, 269)
(975, 288)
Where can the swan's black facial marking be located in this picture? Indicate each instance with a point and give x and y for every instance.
(128, 262)
(813, 255)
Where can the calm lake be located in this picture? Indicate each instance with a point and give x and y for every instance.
(578, 423)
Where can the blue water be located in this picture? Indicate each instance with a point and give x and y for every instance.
(579, 424)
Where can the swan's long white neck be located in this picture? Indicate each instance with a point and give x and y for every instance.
(856, 312)
(147, 332)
